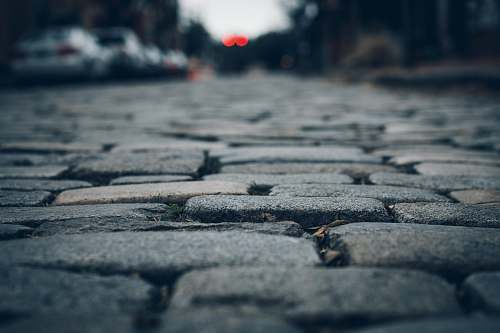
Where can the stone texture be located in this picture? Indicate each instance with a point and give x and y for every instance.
(387, 194)
(452, 251)
(49, 147)
(83, 226)
(269, 180)
(448, 214)
(41, 184)
(13, 231)
(149, 179)
(442, 184)
(223, 320)
(476, 196)
(306, 211)
(448, 169)
(356, 170)
(158, 255)
(326, 295)
(213, 321)
(296, 154)
(24, 199)
(28, 291)
(118, 213)
(142, 193)
(73, 323)
(32, 171)
(445, 325)
(179, 162)
(482, 291)
(446, 157)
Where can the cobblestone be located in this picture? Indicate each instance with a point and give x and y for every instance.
(259, 184)
(387, 194)
(309, 212)
(448, 250)
(441, 184)
(142, 193)
(311, 294)
(19, 198)
(448, 214)
(158, 255)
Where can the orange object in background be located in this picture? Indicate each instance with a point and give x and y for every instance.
(232, 40)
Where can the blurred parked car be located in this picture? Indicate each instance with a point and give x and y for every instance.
(60, 52)
(176, 63)
(127, 51)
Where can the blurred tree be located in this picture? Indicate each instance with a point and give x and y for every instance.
(196, 39)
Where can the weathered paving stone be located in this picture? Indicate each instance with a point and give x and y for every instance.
(117, 213)
(28, 291)
(14, 159)
(482, 291)
(356, 170)
(439, 325)
(452, 251)
(387, 194)
(49, 147)
(73, 323)
(158, 254)
(213, 321)
(223, 320)
(442, 184)
(453, 214)
(461, 157)
(326, 295)
(263, 180)
(13, 231)
(41, 184)
(296, 154)
(477, 197)
(149, 179)
(138, 147)
(50, 171)
(306, 211)
(142, 193)
(24, 199)
(179, 162)
(83, 226)
(449, 169)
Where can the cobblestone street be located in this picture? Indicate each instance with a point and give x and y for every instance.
(253, 204)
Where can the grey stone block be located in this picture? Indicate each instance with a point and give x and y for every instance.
(482, 291)
(41, 185)
(29, 291)
(387, 194)
(441, 184)
(448, 214)
(323, 295)
(451, 251)
(158, 255)
(24, 199)
(306, 211)
(36, 216)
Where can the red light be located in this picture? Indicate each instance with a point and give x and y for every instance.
(241, 41)
(232, 40)
(228, 41)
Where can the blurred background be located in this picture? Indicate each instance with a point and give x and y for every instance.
(109, 39)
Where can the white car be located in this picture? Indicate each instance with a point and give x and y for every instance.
(126, 48)
(61, 52)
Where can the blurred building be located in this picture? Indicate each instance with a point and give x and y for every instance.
(155, 21)
(424, 30)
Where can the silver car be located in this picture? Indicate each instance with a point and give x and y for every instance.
(61, 52)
